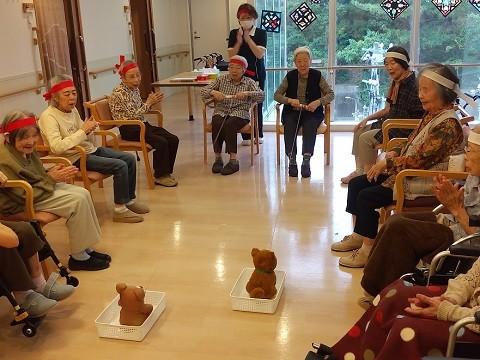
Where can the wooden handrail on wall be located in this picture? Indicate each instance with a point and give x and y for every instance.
(94, 73)
(169, 55)
(37, 90)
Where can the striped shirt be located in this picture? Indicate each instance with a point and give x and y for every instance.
(234, 107)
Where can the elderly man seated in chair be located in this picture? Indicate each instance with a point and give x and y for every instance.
(233, 95)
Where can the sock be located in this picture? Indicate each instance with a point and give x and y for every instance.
(20, 296)
(39, 283)
(306, 159)
(89, 250)
(131, 202)
(293, 161)
(366, 249)
(81, 256)
(120, 209)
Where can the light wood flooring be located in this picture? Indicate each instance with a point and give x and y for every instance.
(194, 244)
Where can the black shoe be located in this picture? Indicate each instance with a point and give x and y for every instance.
(292, 170)
(217, 166)
(306, 173)
(100, 256)
(92, 264)
(232, 167)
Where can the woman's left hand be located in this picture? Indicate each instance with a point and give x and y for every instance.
(313, 106)
(376, 170)
(451, 196)
(242, 95)
(424, 306)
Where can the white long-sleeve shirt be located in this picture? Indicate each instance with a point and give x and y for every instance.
(62, 131)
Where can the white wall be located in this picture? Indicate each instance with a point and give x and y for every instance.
(172, 34)
(105, 30)
(19, 62)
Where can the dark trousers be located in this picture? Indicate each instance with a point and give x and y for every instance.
(121, 165)
(164, 143)
(225, 129)
(363, 198)
(13, 262)
(261, 84)
(309, 124)
(401, 242)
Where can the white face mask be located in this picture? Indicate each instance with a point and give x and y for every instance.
(247, 24)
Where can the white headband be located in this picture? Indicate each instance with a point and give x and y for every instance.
(474, 138)
(449, 84)
(396, 55)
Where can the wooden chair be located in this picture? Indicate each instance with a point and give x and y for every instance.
(324, 129)
(421, 203)
(87, 177)
(100, 111)
(247, 129)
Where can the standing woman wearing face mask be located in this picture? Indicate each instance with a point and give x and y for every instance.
(251, 43)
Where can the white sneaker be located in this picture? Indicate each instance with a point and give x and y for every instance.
(260, 140)
(357, 259)
(245, 143)
(349, 243)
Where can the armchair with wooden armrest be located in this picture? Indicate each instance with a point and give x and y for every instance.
(247, 129)
(421, 203)
(100, 111)
(324, 129)
(86, 176)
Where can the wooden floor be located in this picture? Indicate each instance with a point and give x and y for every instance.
(194, 244)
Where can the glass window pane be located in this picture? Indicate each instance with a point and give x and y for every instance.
(365, 32)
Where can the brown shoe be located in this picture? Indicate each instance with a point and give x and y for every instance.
(127, 217)
(138, 208)
(167, 181)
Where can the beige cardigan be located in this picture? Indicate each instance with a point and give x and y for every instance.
(462, 298)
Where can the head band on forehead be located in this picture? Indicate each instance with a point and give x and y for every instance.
(243, 11)
(19, 124)
(123, 70)
(449, 84)
(58, 87)
(396, 55)
(474, 138)
(240, 62)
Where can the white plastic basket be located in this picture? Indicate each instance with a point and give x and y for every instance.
(242, 301)
(108, 322)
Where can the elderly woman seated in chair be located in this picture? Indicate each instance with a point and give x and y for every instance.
(21, 272)
(429, 146)
(407, 238)
(63, 129)
(126, 104)
(19, 161)
(409, 322)
(233, 94)
(304, 92)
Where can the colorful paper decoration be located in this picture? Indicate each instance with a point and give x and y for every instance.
(446, 6)
(271, 20)
(303, 16)
(475, 4)
(394, 8)
(315, 1)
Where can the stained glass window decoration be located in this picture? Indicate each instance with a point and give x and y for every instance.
(271, 20)
(315, 1)
(475, 4)
(394, 8)
(446, 6)
(303, 16)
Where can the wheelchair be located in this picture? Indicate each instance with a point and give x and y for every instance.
(446, 265)
(21, 316)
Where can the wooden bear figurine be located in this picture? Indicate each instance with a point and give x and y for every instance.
(134, 310)
(262, 282)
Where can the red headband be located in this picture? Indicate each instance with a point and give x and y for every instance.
(19, 124)
(57, 87)
(125, 68)
(238, 62)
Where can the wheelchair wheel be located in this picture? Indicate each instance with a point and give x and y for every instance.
(29, 331)
(72, 280)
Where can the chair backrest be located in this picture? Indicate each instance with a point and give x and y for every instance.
(100, 110)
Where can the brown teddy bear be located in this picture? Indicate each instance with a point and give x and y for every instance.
(134, 310)
(262, 282)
